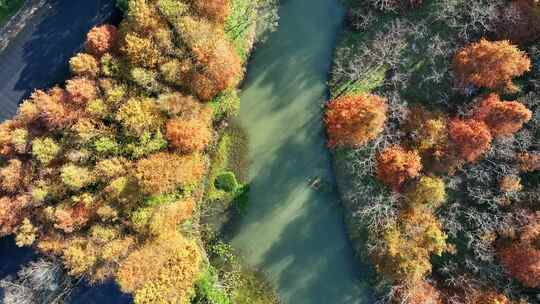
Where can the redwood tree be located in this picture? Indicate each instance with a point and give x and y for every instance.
(354, 120)
(470, 137)
(395, 166)
(490, 64)
(502, 118)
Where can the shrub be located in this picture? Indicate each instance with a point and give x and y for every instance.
(354, 120)
(226, 181)
(395, 166)
(490, 64)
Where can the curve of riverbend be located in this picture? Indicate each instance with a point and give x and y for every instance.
(37, 57)
(293, 232)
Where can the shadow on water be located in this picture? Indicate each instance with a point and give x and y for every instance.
(38, 58)
(292, 232)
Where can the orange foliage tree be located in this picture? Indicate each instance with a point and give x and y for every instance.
(395, 166)
(101, 39)
(188, 136)
(471, 138)
(81, 90)
(490, 64)
(165, 172)
(502, 118)
(168, 278)
(354, 120)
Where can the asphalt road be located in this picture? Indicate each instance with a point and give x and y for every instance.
(38, 58)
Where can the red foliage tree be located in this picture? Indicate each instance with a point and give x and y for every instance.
(471, 138)
(490, 64)
(502, 118)
(354, 120)
(101, 39)
(395, 166)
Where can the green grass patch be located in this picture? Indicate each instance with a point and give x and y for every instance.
(8, 8)
(238, 26)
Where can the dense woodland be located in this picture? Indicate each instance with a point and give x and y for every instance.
(106, 175)
(435, 125)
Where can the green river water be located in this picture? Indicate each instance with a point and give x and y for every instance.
(292, 232)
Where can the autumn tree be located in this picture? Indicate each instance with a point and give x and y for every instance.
(490, 64)
(354, 120)
(81, 90)
(522, 258)
(166, 172)
(45, 150)
(470, 137)
(140, 115)
(216, 10)
(488, 297)
(502, 118)
(188, 136)
(518, 21)
(169, 278)
(421, 292)
(101, 39)
(406, 248)
(396, 165)
(427, 191)
(84, 65)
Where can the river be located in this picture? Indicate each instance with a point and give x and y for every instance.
(293, 232)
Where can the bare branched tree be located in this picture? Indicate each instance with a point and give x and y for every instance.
(40, 282)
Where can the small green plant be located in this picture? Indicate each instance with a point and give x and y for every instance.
(123, 5)
(226, 181)
(241, 199)
(207, 291)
